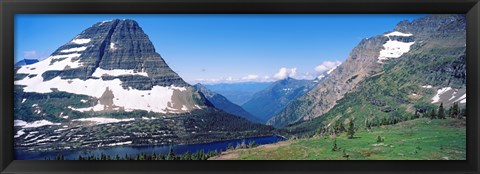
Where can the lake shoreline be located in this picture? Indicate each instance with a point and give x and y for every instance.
(161, 148)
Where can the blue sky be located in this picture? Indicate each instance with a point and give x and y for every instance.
(223, 48)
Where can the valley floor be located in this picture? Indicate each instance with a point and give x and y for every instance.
(420, 139)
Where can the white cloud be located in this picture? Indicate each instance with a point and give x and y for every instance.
(250, 77)
(327, 65)
(306, 76)
(30, 54)
(285, 72)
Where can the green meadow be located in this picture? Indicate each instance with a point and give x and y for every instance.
(419, 139)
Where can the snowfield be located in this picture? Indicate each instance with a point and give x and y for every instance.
(102, 120)
(462, 99)
(81, 41)
(34, 124)
(99, 72)
(396, 33)
(61, 63)
(440, 91)
(120, 143)
(331, 70)
(155, 100)
(19, 133)
(77, 49)
(427, 86)
(393, 48)
(112, 46)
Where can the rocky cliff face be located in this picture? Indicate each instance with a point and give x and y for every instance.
(428, 39)
(114, 45)
(361, 63)
(116, 64)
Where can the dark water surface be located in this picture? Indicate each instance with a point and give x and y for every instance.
(134, 150)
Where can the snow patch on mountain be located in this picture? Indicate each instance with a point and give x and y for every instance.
(427, 86)
(462, 99)
(394, 48)
(99, 72)
(81, 41)
(58, 62)
(112, 46)
(120, 143)
(19, 133)
(397, 33)
(155, 100)
(440, 91)
(39, 123)
(331, 70)
(103, 120)
(76, 49)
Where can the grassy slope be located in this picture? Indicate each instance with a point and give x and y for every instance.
(393, 87)
(419, 139)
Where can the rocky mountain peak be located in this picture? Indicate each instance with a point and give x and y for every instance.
(117, 57)
(438, 24)
(367, 59)
(206, 92)
(113, 49)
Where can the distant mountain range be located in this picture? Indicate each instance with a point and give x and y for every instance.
(224, 104)
(25, 62)
(238, 93)
(268, 102)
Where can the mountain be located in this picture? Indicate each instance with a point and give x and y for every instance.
(416, 66)
(25, 62)
(224, 104)
(274, 98)
(106, 61)
(238, 93)
(108, 86)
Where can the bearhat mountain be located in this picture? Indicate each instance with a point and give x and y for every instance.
(110, 74)
(115, 62)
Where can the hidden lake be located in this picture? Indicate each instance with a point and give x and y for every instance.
(134, 150)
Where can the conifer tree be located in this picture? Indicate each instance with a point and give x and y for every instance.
(433, 114)
(351, 129)
(171, 154)
(441, 111)
(335, 147)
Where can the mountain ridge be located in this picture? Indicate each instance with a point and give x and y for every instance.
(374, 55)
(224, 104)
(268, 102)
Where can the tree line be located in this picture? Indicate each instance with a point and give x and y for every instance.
(395, 117)
(199, 155)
